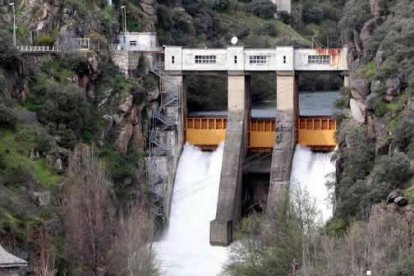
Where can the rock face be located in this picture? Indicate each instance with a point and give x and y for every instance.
(393, 195)
(124, 137)
(377, 7)
(359, 87)
(358, 111)
(393, 86)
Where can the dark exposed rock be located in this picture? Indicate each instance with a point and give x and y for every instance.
(377, 86)
(366, 34)
(394, 194)
(359, 87)
(401, 201)
(393, 86)
(379, 58)
(377, 7)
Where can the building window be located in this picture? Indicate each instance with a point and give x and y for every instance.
(173, 59)
(205, 59)
(284, 59)
(133, 43)
(320, 59)
(235, 59)
(259, 59)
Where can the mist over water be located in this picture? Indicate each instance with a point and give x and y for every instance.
(311, 171)
(185, 248)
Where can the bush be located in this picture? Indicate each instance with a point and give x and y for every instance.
(262, 8)
(268, 29)
(285, 17)
(46, 39)
(394, 170)
(403, 134)
(8, 117)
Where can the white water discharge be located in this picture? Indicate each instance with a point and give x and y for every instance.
(310, 172)
(185, 248)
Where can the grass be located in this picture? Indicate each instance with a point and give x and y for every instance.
(369, 70)
(409, 193)
(44, 174)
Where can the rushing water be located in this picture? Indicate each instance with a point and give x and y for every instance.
(310, 172)
(185, 249)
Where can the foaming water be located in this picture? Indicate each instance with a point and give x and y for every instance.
(311, 171)
(185, 248)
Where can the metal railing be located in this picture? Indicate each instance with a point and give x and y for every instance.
(37, 49)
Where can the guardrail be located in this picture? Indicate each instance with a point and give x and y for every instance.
(36, 49)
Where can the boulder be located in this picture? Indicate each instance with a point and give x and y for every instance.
(148, 9)
(126, 106)
(401, 201)
(359, 87)
(377, 86)
(393, 86)
(358, 111)
(379, 59)
(394, 194)
(59, 166)
(93, 64)
(42, 198)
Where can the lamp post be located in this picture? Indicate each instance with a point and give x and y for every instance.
(123, 10)
(14, 24)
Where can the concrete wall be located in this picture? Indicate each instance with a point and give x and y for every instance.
(283, 5)
(240, 59)
(229, 200)
(145, 41)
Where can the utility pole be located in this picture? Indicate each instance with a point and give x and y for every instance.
(123, 10)
(14, 23)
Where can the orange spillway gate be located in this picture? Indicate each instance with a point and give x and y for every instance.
(317, 133)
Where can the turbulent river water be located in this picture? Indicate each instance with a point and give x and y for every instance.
(310, 172)
(185, 249)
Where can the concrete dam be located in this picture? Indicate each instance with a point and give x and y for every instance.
(203, 198)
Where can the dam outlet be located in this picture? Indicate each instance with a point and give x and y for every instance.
(185, 248)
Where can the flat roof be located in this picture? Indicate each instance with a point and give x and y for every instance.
(8, 260)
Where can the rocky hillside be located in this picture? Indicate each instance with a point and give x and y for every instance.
(377, 130)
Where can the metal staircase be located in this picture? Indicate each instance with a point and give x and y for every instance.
(160, 120)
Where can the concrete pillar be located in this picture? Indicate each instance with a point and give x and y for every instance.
(235, 147)
(284, 146)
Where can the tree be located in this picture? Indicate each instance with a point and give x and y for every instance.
(132, 253)
(87, 212)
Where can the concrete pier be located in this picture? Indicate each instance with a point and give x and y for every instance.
(285, 142)
(235, 147)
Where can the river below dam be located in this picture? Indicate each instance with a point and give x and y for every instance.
(185, 248)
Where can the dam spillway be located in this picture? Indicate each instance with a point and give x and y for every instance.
(310, 173)
(185, 249)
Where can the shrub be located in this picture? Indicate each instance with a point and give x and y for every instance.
(285, 17)
(403, 134)
(394, 170)
(262, 8)
(268, 29)
(8, 117)
(46, 39)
